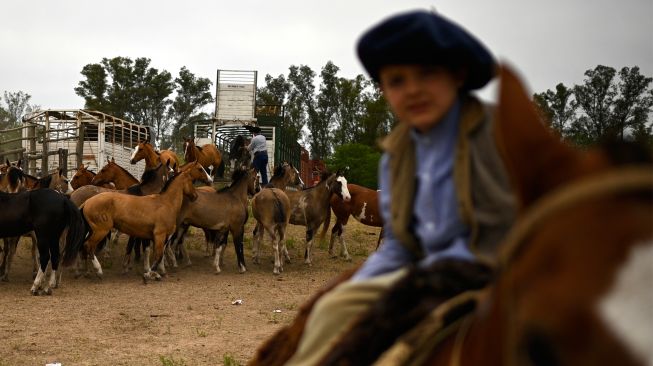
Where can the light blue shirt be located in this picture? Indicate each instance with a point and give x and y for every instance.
(257, 144)
(436, 223)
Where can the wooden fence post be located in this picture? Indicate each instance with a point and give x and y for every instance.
(63, 160)
(31, 135)
(80, 145)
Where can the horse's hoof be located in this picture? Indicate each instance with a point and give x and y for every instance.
(347, 258)
(276, 271)
(4, 278)
(99, 275)
(48, 292)
(35, 292)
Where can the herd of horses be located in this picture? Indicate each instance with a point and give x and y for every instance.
(564, 290)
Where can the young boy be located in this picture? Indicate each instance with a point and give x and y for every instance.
(444, 192)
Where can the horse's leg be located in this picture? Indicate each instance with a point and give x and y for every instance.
(44, 258)
(278, 262)
(159, 242)
(146, 262)
(309, 244)
(238, 235)
(258, 237)
(219, 250)
(344, 253)
(210, 250)
(91, 245)
(10, 250)
(281, 232)
(127, 259)
(35, 259)
(182, 247)
(335, 233)
(54, 261)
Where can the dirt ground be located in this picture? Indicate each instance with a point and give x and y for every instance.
(186, 319)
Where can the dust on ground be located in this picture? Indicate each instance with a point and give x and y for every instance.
(185, 319)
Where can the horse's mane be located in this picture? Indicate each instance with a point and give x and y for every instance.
(173, 177)
(125, 170)
(44, 182)
(278, 171)
(14, 175)
(236, 177)
(150, 174)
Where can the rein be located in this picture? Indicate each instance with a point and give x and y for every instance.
(621, 180)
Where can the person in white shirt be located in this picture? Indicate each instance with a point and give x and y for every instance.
(258, 147)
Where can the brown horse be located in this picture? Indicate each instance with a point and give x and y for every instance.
(309, 207)
(56, 181)
(363, 206)
(284, 175)
(220, 213)
(571, 279)
(114, 174)
(149, 217)
(208, 155)
(271, 209)
(145, 150)
(12, 179)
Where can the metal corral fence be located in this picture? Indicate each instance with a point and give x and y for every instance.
(77, 137)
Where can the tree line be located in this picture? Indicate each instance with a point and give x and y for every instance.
(607, 105)
(340, 119)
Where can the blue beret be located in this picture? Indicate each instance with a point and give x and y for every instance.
(421, 37)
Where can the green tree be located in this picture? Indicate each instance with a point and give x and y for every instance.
(193, 93)
(558, 108)
(300, 104)
(350, 109)
(274, 92)
(378, 120)
(360, 163)
(612, 109)
(322, 118)
(16, 105)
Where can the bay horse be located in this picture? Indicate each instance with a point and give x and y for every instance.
(571, 282)
(145, 150)
(271, 209)
(220, 213)
(148, 217)
(113, 173)
(47, 213)
(208, 155)
(363, 206)
(239, 154)
(309, 207)
(84, 176)
(56, 181)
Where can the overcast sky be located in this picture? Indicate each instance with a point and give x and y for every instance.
(46, 43)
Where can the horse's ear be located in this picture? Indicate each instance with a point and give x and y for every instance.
(536, 160)
(113, 159)
(8, 163)
(18, 164)
(60, 171)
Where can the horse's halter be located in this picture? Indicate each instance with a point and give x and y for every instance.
(621, 180)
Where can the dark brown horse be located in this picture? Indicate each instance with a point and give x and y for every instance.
(570, 279)
(221, 213)
(363, 206)
(145, 150)
(208, 155)
(113, 173)
(309, 207)
(150, 217)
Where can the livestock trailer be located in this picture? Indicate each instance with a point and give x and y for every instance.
(88, 137)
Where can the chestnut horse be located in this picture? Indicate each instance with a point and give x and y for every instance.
(208, 155)
(363, 206)
(145, 150)
(148, 217)
(571, 281)
(309, 207)
(115, 174)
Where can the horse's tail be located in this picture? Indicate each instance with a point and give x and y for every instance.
(279, 212)
(327, 222)
(77, 230)
(220, 171)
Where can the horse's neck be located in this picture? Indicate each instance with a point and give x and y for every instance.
(174, 194)
(151, 157)
(240, 190)
(153, 186)
(191, 152)
(280, 182)
(124, 179)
